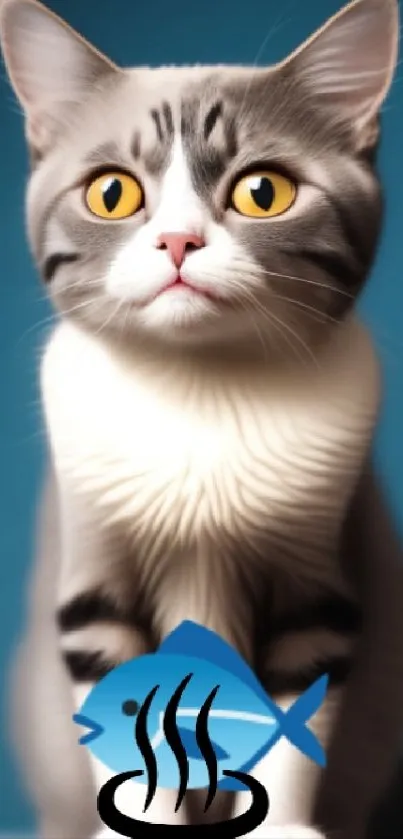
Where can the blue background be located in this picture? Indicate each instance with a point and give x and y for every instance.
(178, 31)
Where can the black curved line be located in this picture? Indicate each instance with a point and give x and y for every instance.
(206, 749)
(253, 817)
(109, 813)
(135, 829)
(174, 741)
(144, 745)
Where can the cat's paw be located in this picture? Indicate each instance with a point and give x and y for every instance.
(291, 831)
(107, 833)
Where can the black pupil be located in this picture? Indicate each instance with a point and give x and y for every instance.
(112, 193)
(130, 707)
(263, 193)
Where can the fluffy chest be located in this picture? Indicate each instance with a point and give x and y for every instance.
(178, 455)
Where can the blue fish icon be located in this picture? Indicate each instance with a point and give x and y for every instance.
(192, 704)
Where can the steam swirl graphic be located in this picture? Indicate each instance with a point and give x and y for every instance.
(174, 741)
(144, 745)
(206, 749)
(130, 827)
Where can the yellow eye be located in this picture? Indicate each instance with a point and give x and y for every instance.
(263, 195)
(114, 195)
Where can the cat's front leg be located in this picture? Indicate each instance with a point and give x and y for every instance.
(97, 633)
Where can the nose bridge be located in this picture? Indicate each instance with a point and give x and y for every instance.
(180, 209)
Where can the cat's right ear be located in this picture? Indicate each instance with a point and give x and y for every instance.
(50, 66)
(348, 66)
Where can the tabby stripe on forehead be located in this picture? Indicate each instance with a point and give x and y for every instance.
(55, 261)
(211, 119)
(167, 111)
(189, 112)
(231, 138)
(157, 120)
(136, 145)
(168, 122)
(207, 161)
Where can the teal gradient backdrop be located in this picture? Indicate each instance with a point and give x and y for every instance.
(156, 32)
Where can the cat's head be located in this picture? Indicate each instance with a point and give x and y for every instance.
(204, 204)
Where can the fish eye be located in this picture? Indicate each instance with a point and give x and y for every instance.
(130, 707)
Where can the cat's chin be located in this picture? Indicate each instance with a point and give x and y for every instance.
(181, 318)
(203, 335)
(184, 315)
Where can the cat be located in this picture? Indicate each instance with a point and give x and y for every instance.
(210, 400)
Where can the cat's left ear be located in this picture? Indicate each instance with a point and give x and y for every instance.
(51, 67)
(349, 64)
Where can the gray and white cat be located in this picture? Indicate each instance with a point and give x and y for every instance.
(210, 400)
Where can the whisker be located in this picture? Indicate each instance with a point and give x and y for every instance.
(112, 315)
(267, 316)
(50, 320)
(125, 319)
(84, 285)
(325, 317)
(271, 319)
(298, 279)
(278, 23)
(275, 324)
(245, 270)
(79, 306)
(297, 337)
(254, 323)
(53, 318)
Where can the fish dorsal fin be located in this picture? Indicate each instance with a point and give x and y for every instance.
(193, 639)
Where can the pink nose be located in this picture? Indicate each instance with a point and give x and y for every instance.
(179, 244)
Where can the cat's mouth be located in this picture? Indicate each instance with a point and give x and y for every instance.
(180, 283)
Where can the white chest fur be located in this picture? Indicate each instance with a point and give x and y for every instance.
(178, 453)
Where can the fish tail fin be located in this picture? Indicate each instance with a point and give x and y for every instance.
(293, 722)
